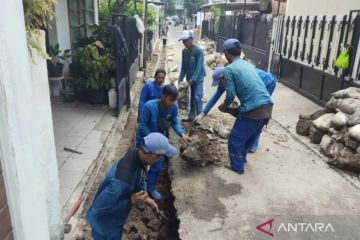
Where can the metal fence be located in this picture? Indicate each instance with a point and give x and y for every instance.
(253, 31)
(305, 49)
(126, 52)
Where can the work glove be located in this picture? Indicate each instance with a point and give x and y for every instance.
(198, 119)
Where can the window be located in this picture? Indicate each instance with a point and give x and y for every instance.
(81, 17)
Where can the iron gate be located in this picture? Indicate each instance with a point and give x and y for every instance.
(305, 49)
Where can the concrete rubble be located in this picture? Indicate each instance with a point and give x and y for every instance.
(337, 129)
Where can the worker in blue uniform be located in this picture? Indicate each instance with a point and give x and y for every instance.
(193, 68)
(268, 79)
(158, 116)
(125, 185)
(241, 80)
(152, 89)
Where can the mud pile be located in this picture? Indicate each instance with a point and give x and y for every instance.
(337, 129)
(208, 145)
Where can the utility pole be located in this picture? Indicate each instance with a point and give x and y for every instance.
(244, 7)
(145, 32)
(278, 8)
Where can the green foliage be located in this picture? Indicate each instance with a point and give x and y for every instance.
(216, 12)
(170, 9)
(97, 65)
(37, 14)
(192, 6)
(56, 56)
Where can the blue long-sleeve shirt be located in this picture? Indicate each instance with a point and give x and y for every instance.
(149, 91)
(242, 81)
(112, 202)
(268, 79)
(192, 65)
(150, 117)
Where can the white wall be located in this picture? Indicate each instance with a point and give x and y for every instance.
(27, 149)
(321, 7)
(62, 25)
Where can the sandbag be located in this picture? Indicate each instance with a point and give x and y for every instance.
(351, 92)
(303, 127)
(347, 105)
(325, 144)
(315, 135)
(355, 132)
(324, 122)
(339, 120)
(354, 118)
(349, 160)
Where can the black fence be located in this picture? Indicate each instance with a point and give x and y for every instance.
(305, 50)
(125, 41)
(254, 33)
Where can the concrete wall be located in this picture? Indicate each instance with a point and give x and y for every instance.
(62, 25)
(27, 149)
(321, 7)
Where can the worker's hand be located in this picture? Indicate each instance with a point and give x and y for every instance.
(151, 202)
(186, 138)
(190, 82)
(139, 197)
(223, 108)
(198, 119)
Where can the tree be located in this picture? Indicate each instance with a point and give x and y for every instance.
(170, 9)
(192, 6)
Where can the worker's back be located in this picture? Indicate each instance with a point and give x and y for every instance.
(249, 88)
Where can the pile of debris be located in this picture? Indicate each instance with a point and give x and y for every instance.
(184, 95)
(208, 46)
(216, 60)
(207, 146)
(337, 129)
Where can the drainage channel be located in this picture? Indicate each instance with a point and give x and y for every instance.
(144, 224)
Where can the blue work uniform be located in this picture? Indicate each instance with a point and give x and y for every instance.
(243, 82)
(155, 119)
(269, 81)
(149, 91)
(193, 68)
(112, 203)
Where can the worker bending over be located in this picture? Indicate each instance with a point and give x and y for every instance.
(193, 68)
(241, 80)
(158, 116)
(124, 186)
(268, 79)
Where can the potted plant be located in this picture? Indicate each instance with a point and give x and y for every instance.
(55, 65)
(97, 64)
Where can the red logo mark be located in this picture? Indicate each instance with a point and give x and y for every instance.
(266, 231)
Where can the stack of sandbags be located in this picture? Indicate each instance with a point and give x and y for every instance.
(336, 128)
(210, 48)
(216, 60)
(184, 96)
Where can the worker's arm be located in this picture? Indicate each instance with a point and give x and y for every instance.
(183, 67)
(199, 65)
(175, 123)
(144, 96)
(229, 88)
(214, 98)
(112, 198)
(145, 118)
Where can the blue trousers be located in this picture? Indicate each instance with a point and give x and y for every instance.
(153, 174)
(196, 94)
(255, 145)
(114, 236)
(242, 135)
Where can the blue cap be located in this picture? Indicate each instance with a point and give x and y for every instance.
(186, 35)
(156, 143)
(231, 43)
(217, 74)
